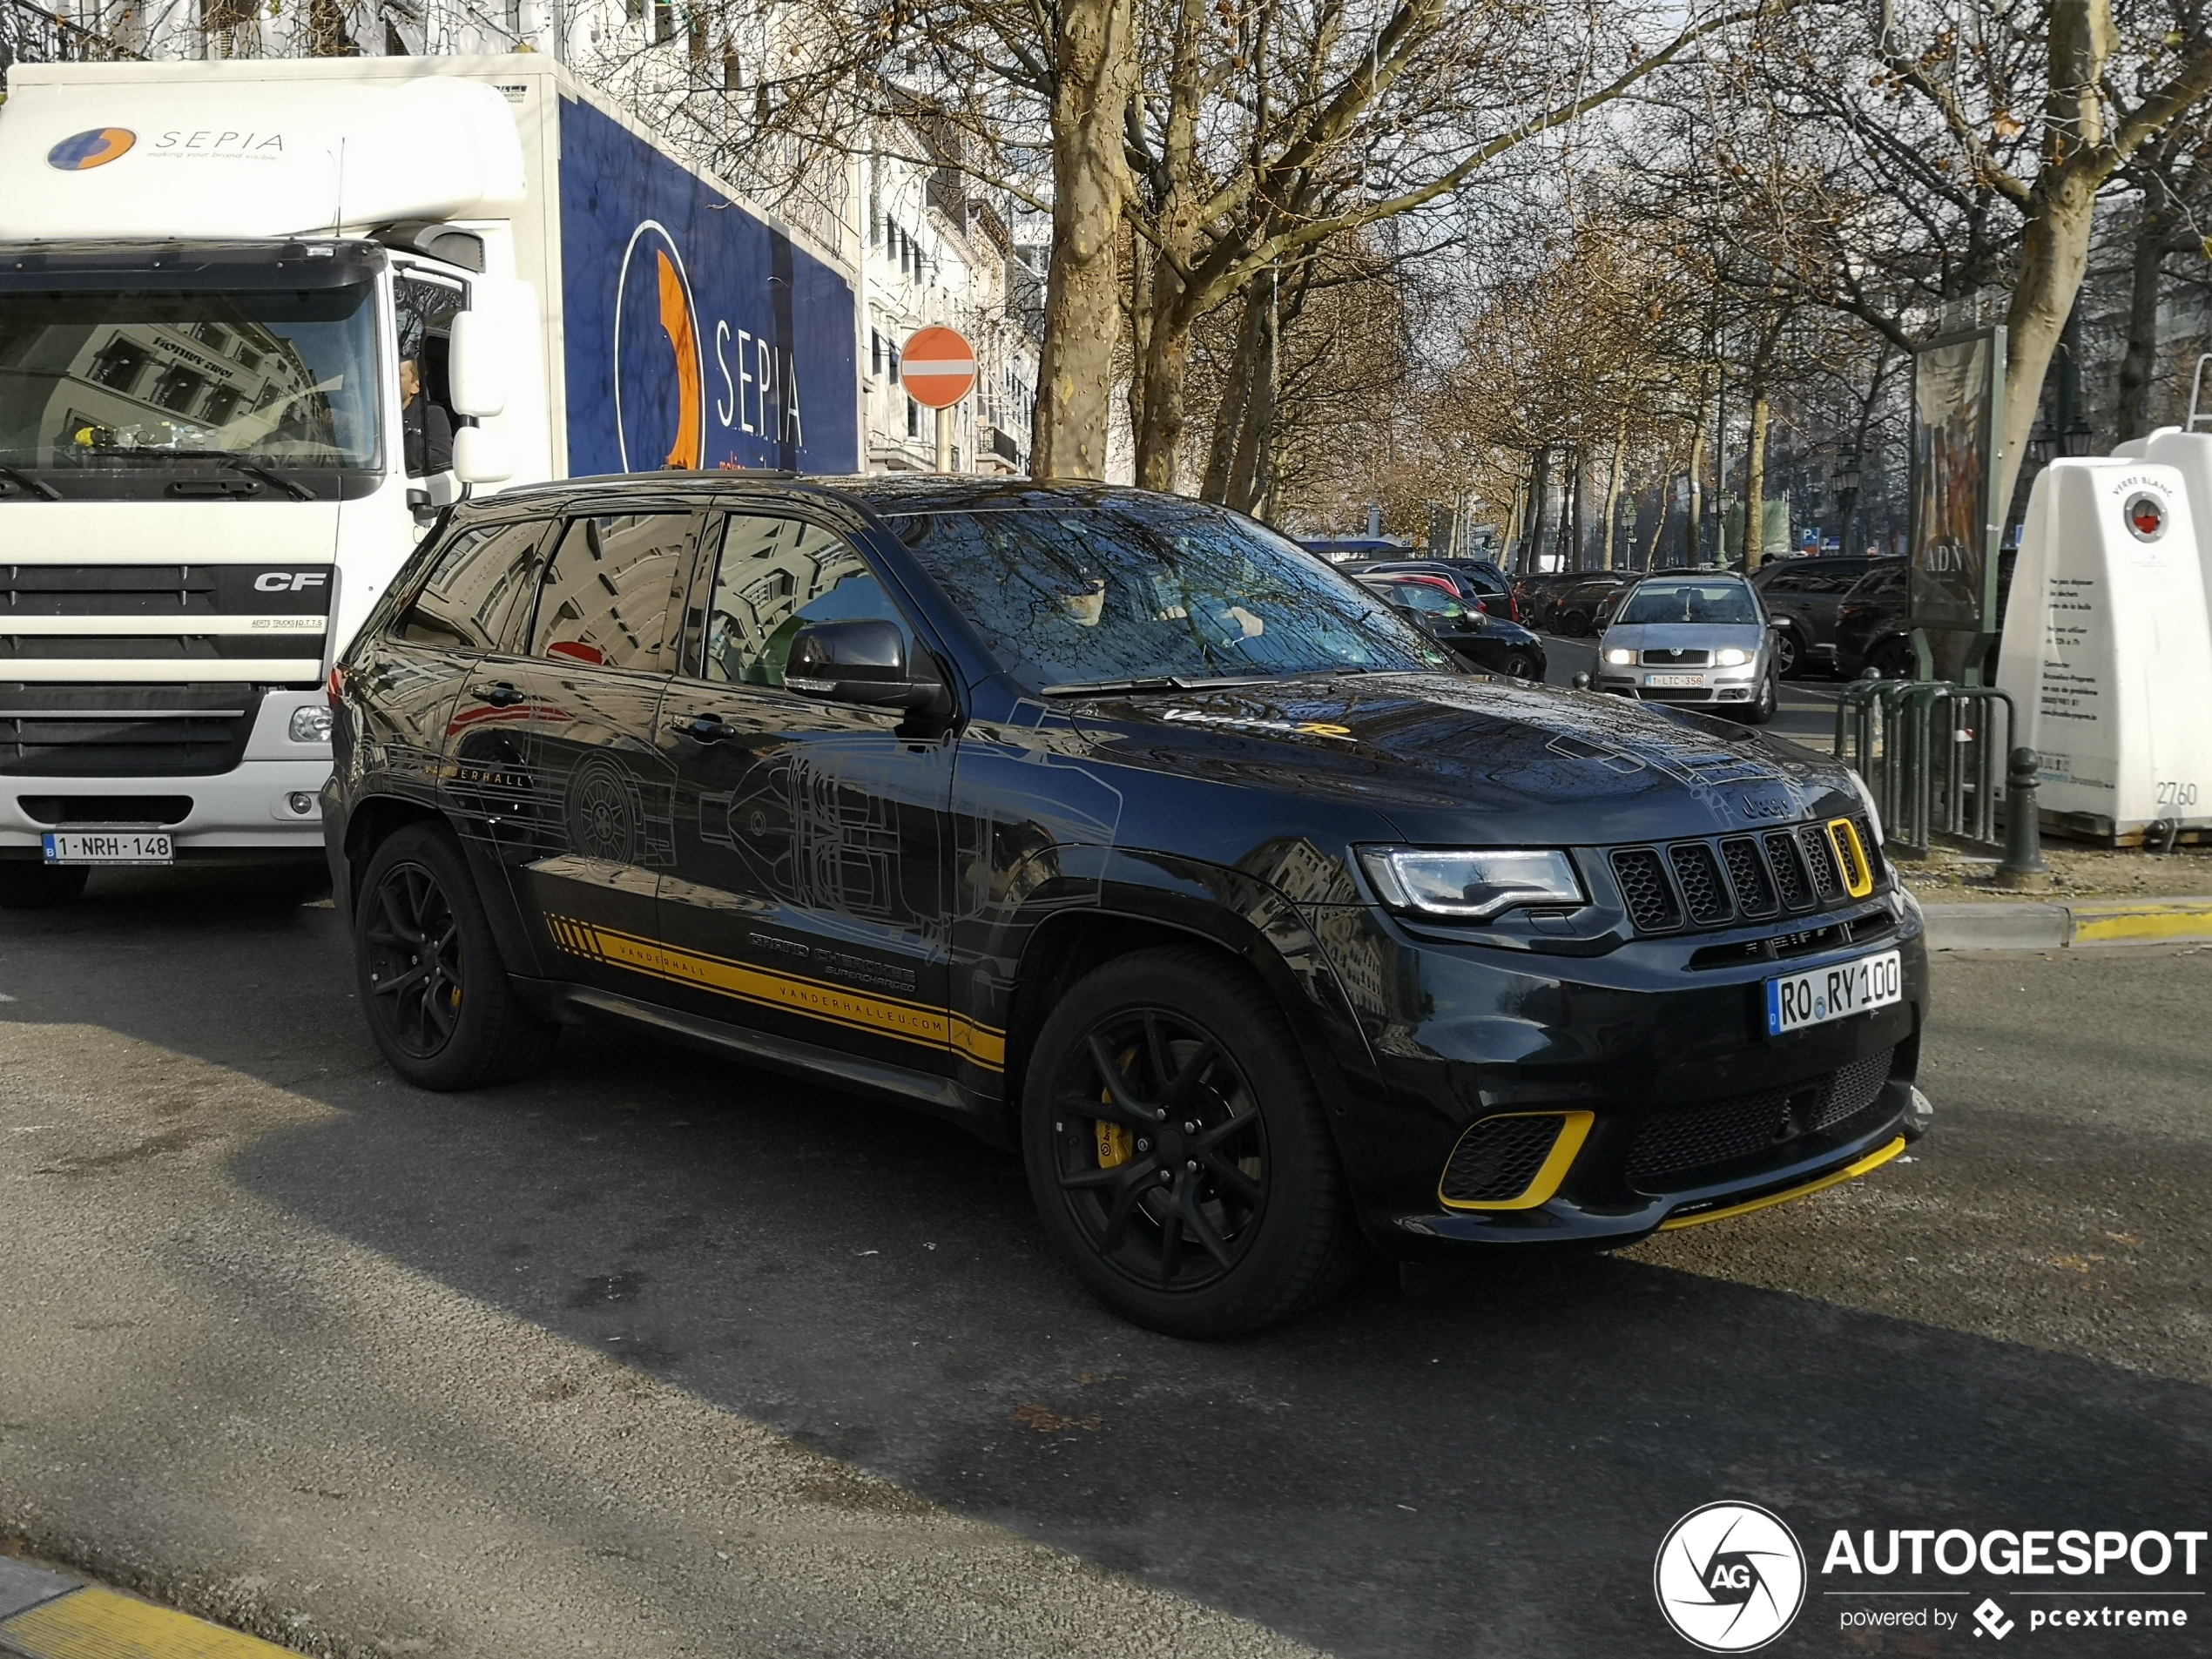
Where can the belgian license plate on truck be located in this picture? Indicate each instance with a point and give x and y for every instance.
(1820, 994)
(110, 846)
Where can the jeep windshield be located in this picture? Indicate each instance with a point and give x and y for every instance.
(1109, 599)
(118, 384)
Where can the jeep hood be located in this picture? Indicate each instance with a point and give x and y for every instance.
(1470, 760)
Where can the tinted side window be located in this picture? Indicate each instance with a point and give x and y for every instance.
(605, 601)
(471, 602)
(775, 576)
(1787, 582)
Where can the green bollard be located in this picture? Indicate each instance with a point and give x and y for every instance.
(2023, 868)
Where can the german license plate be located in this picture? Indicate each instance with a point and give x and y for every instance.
(1820, 994)
(110, 846)
(1674, 679)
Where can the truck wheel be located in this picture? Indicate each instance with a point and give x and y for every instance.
(1176, 1149)
(431, 980)
(25, 883)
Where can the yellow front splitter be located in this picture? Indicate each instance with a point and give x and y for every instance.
(1872, 1161)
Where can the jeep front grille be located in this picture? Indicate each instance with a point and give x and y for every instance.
(1733, 879)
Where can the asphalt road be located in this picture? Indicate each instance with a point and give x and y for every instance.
(659, 1355)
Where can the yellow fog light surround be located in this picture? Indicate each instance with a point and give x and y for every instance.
(1574, 1129)
(1856, 869)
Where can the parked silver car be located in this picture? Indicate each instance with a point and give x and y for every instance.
(1695, 636)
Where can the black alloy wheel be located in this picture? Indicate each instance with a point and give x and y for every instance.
(414, 960)
(1894, 658)
(1518, 665)
(432, 984)
(1176, 1150)
(1161, 1151)
(1789, 653)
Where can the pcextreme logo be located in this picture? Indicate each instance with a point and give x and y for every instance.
(670, 429)
(1729, 1577)
(83, 151)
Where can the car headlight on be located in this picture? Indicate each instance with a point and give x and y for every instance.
(1470, 886)
(1620, 657)
(1731, 657)
(310, 724)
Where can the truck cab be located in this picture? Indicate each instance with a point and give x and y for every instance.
(241, 372)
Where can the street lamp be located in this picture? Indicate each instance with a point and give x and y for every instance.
(1629, 531)
(1847, 495)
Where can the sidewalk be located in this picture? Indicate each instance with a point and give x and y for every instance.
(44, 1616)
(2032, 923)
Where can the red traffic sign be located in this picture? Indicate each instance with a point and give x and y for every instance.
(938, 367)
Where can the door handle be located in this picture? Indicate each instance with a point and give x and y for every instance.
(502, 696)
(705, 728)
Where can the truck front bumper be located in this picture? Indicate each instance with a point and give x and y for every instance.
(271, 798)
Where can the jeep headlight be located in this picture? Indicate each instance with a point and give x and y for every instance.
(1469, 885)
(1731, 657)
(310, 724)
(1619, 657)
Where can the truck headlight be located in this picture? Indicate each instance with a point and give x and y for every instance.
(1731, 657)
(1470, 886)
(310, 724)
(1619, 657)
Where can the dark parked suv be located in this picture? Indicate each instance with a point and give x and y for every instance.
(1112, 828)
(1803, 597)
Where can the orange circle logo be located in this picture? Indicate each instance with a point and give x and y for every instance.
(93, 149)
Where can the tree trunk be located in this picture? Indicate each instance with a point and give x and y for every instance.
(1539, 508)
(1252, 472)
(2054, 252)
(1229, 409)
(1612, 484)
(1755, 482)
(1577, 530)
(2139, 365)
(1694, 526)
(1095, 58)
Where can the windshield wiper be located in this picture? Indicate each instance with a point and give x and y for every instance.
(221, 458)
(38, 487)
(1162, 683)
(297, 491)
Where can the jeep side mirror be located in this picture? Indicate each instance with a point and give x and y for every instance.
(864, 661)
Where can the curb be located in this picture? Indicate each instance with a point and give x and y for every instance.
(43, 1616)
(2058, 927)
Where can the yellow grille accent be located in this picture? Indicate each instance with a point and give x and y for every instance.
(1850, 857)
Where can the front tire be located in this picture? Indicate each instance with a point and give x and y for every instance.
(1518, 665)
(1761, 710)
(1790, 656)
(26, 883)
(1176, 1149)
(431, 980)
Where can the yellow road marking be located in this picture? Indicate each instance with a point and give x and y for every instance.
(2125, 921)
(96, 1623)
(748, 982)
(1872, 1161)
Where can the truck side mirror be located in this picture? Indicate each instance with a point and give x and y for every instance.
(476, 364)
(482, 457)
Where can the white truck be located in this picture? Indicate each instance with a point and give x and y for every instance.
(259, 321)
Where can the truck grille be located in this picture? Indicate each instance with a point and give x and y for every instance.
(74, 730)
(1673, 1145)
(1737, 879)
(244, 613)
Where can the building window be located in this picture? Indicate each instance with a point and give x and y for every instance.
(175, 387)
(914, 419)
(118, 364)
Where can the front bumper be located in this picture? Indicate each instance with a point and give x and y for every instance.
(270, 800)
(1714, 686)
(1679, 1106)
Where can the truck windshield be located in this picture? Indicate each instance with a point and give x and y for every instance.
(119, 381)
(1091, 597)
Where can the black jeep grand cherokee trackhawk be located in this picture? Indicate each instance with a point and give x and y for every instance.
(1115, 829)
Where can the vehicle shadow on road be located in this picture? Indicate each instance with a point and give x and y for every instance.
(1489, 1465)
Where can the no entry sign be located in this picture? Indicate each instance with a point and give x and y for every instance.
(938, 367)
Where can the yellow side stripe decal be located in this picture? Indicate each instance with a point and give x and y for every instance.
(95, 1623)
(747, 982)
(1872, 1161)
